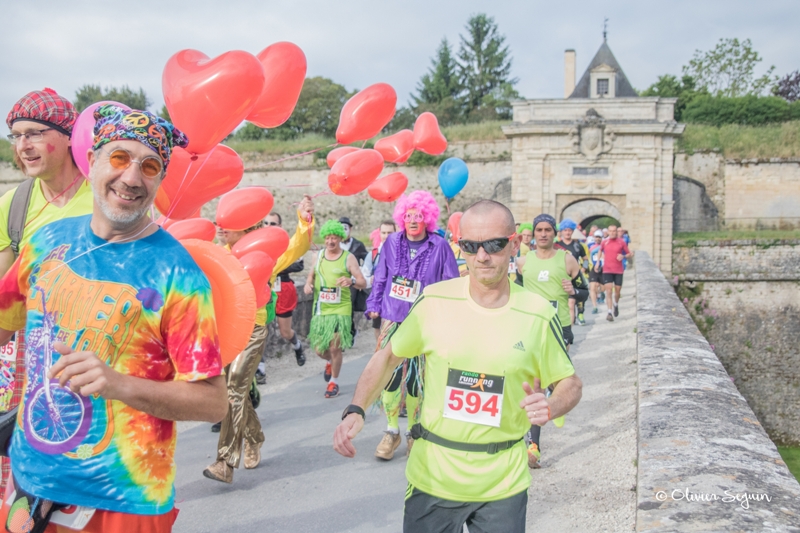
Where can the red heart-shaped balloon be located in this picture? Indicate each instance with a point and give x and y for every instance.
(244, 208)
(271, 240)
(428, 137)
(207, 98)
(366, 114)
(337, 153)
(354, 172)
(258, 266)
(192, 181)
(396, 148)
(388, 188)
(193, 228)
(285, 71)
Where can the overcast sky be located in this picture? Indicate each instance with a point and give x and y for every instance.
(65, 45)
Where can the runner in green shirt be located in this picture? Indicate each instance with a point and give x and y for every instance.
(483, 386)
(335, 269)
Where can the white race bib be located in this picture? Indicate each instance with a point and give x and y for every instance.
(512, 267)
(8, 352)
(404, 289)
(544, 275)
(474, 397)
(330, 295)
(276, 286)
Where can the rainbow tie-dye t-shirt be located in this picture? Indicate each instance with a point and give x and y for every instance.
(145, 308)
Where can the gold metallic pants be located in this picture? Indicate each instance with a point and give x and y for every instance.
(241, 422)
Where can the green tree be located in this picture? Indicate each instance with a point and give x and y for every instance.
(317, 110)
(729, 69)
(250, 132)
(164, 113)
(441, 80)
(668, 86)
(788, 87)
(484, 67)
(90, 94)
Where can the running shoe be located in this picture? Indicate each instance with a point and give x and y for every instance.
(387, 446)
(616, 310)
(534, 456)
(261, 378)
(403, 413)
(327, 374)
(609, 317)
(300, 356)
(252, 455)
(219, 471)
(602, 297)
(595, 311)
(581, 320)
(215, 428)
(332, 391)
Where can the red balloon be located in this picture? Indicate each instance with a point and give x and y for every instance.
(428, 137)
(243, 208)
(397, 148)
(207, 98)
(193, 228)
(284, 70)
(271, 240)
(337, 153)
(452, 226)
(388, 188)
(354, 172)
(366, 114)
(259, 266)
(191, 183)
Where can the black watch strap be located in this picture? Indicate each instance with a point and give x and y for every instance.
(353, 408)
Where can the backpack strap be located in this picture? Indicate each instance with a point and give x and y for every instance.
(18, 213)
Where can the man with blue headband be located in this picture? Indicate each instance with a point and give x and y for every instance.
(579, 252)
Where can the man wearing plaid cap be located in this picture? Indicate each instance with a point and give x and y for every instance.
(41, 123)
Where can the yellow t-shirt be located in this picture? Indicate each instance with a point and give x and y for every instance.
(79, 205)
(501, 348)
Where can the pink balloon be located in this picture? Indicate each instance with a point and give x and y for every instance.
(396, 148)
(366, 114)
(83, 134)
(193, 228)
(355, 172)
(388, 188)
(428, 137)
(337, 153)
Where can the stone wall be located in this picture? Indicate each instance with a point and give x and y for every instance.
(700, 445)
(744, 297)
(762, 193)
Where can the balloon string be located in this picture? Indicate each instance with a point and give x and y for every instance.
(447, 203)
(295, 156)
(48, 202)
(174, 203)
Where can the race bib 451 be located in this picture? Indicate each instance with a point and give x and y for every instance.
(474, 397)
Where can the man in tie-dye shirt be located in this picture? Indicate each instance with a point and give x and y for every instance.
(122, 342)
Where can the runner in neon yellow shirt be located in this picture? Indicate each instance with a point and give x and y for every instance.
(483, 387)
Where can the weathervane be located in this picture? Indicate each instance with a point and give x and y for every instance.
(605, 28)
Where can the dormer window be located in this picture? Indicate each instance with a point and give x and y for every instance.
(602, 87)
(602, 82)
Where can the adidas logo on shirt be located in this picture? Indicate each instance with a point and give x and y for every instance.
(519, 346)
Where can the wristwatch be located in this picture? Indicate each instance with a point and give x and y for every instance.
(352, 408)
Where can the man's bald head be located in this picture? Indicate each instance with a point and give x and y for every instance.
(489, 210)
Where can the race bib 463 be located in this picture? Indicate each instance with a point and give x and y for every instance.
(474, 397)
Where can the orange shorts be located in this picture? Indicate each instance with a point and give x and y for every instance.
(110, 522)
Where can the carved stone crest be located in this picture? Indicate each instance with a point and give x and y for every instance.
(591, 137)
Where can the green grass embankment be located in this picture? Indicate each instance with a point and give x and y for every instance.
(791, 456)
(744, 142)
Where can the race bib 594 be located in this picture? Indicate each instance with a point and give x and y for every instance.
(474, 397)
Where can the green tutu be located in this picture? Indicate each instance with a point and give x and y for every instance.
(324, 327)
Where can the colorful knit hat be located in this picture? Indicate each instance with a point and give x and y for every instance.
(116, 124)
(544, 217)
(333, 227)
(44, 107)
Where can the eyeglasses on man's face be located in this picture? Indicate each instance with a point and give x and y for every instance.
(34, 136)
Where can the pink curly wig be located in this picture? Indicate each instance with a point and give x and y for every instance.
(375, 237)
(424, 203)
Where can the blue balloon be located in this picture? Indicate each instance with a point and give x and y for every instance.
(453, 175)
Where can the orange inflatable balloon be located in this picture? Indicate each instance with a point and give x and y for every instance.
(270, 240)
(259, 266)
(193, 228)
(396, 148)
(366, 114)
(190, 183)
(388, 188)
(452, 226)
(233, 294)
(354, 172)
(428, 137)
(284, 70)
(207, 98)
(337, 153)
(243, 208)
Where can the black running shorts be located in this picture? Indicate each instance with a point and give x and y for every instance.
(616, 279)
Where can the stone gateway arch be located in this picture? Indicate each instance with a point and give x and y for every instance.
(601, 151)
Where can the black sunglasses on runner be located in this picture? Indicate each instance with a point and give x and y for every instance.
(490, 246)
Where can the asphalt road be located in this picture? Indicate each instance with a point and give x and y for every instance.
(301, 485)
